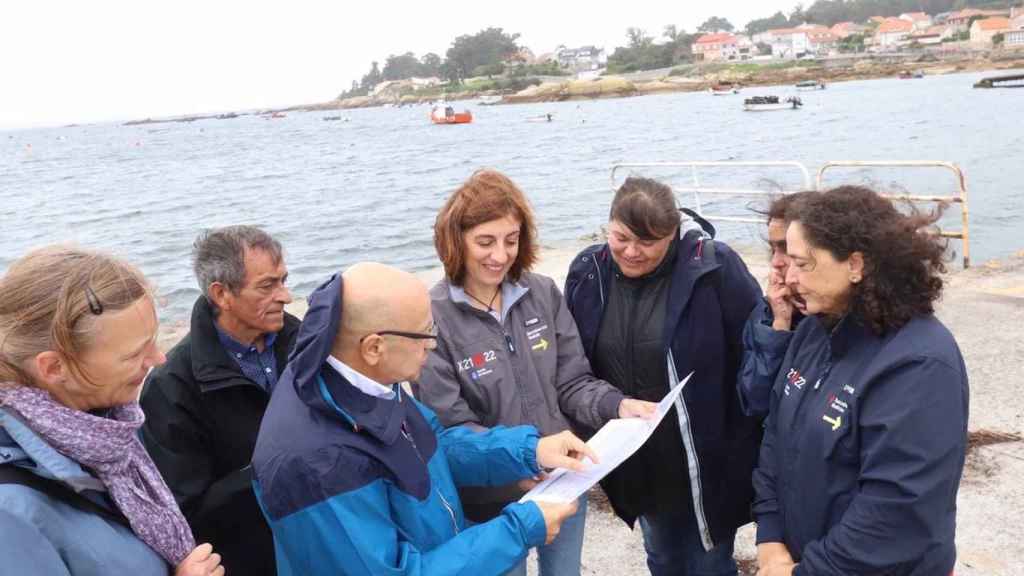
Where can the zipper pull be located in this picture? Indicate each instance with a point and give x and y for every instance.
(511, 346)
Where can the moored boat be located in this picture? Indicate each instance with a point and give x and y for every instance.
(723, 89)
(808, 85)
(770, 103)
(448, 115)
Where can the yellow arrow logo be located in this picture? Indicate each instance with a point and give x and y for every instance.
(835, 422)
(542, 345)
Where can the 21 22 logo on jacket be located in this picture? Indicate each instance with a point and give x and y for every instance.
(795, 379)
(477, 364)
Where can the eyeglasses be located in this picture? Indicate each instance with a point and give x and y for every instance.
(431, 335)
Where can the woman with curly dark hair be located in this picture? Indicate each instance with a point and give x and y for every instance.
(865, 440)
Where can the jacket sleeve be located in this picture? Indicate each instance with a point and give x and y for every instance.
(739, 295)
(353, 533)
(26, 550)
(173, 437)
(583, 397)
(763, 351)
(913, 425)
(765, 507)
(439, 387)
(486, 457)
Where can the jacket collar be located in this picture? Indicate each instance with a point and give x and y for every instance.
(19, 445)
(511, 293)
(211, 363)
(693, 261)
(381, 418)
(846, 334)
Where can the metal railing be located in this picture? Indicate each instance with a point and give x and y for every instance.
(960, 198)
(697, 189)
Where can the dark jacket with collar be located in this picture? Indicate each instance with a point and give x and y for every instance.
(355, 484)
(711, 296)
(863, 450)
(202, 419)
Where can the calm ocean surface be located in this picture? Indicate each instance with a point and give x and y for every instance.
(368, 189)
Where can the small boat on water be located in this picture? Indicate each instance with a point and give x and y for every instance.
(770, 103)
(909, 75)
(808, 85)
(448, 115)
(723, 89)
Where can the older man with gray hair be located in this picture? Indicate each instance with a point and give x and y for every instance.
(205, 404)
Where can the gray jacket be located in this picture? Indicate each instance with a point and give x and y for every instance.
(529, 368)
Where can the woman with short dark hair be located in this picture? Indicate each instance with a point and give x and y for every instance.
(866, 436)
(652, 305)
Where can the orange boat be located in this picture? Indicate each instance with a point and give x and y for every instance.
(448, 115)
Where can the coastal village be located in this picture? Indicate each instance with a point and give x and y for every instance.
(965, 40)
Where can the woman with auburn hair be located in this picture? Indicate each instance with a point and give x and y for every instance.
(508, 352)
(867, 431)
(78, 492)
(653, 304)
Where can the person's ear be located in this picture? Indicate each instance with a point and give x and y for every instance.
(50, 369)
(220, 295)
(372, 349)
(856, 265)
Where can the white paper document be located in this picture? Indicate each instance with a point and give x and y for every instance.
(613, 443)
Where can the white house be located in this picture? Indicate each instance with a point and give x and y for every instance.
(893, 32)
(583, 59)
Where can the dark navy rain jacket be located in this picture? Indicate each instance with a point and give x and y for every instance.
(863, 450)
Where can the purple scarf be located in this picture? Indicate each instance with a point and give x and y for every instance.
(110, 448)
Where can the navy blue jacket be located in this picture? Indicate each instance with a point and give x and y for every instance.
(763, 351)
(710, 297)
(863, 450)
(355, 484)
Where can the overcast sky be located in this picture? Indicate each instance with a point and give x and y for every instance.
(86, 61)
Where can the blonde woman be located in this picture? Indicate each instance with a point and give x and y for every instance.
(78, 493)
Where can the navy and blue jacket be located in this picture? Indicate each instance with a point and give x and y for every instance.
(864, 448)
(355, 484)
(764, 348)
(711, 294)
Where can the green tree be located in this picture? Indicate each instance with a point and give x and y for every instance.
(401, 67)
(372, 78)
(998, 39)
(852, 43)
(716, 24)
(468, 52)
(775, 21)
(638, 38)
(430, 65)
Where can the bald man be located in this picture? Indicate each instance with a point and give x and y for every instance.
(356, 477)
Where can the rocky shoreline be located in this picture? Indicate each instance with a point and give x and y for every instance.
(623, 86)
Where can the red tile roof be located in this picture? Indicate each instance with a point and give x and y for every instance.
(717, 38)
(993, 24)
(893, 25)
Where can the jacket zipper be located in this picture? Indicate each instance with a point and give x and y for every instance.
(444, 501)
(693, 462)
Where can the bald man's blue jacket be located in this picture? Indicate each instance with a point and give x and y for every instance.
(355, 484)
